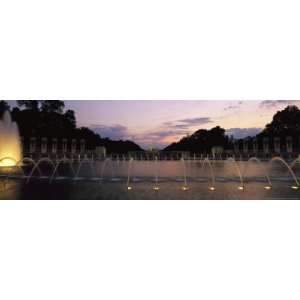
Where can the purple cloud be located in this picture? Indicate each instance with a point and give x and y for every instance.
(240, 133)
(115, 132)
(233, 107)
(185, 124)
(277, 103)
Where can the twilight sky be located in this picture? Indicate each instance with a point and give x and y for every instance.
(158, 123)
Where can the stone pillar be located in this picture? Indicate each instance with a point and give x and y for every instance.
(32, 145)
(245, 146)
(54, 146)
(236, 146)
(255, 146)
(82, 146)
(64, 146)
(266, 145)
(289, 144)
(277, 145)
(44, 145)
(73, 146)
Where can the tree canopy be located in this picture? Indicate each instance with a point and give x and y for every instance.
(50, 119)
(285, 122)
(201, 141)
(3, 107)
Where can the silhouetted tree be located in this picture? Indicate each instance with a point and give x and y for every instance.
(51, 106)
(202, 141)
(3, 107)
(48, 119)
(285, 122)
(29, 104)
(70, 119)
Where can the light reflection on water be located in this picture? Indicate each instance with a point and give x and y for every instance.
(163, 180)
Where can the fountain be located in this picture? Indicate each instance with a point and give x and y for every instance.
(156, 186)
(129, 188)
(10, 146)
(88, 162)
(157, 175)
(241, 186)
(37, 165)
(205, 162)
(162, 172)
(185, 186)
(65, 161)
(258, 161)
(279, 159)
(109, 163)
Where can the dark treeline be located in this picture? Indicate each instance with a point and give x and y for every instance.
(202, 141)
(285, 123)
(50, 119)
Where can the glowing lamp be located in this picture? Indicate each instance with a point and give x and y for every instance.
(241, 188)
(184, 188)
(129, 188)
(156, 188)
(212, 188)
(295, 187)
(267, 187)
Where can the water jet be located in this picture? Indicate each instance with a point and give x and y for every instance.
(10, 145)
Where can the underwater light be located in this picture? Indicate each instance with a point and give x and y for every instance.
(295, 187)
(129, 188)
(267, 187)
(212, 188)
(184, 188)
(241, 188)
(156, 188)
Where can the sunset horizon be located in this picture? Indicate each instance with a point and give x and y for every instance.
(158, 123)
(225, 148)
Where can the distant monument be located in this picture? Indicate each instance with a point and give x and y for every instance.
(245, 146)
(266, 145)
(289, 144)
(255, 146)
(277, 145)
(100, 152)
(236, 146)
(217, 150)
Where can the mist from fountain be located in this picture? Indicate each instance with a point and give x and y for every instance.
(65, 161)
(24, 163)
(231, 159)
(44, 159)
(293, 164)
(279, 159)
(255, 159)
(10, 144)
(185, 187)
(85, 161)
(42, 166)
(109, 163)
(156, 187)
(129, 174)
(205, 162)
